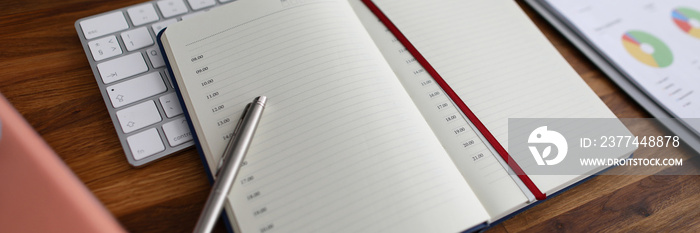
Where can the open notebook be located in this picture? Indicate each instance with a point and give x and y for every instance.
(357, 136)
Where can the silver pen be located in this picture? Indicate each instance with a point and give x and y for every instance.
(230, 164)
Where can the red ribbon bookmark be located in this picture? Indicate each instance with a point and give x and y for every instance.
(458, 101)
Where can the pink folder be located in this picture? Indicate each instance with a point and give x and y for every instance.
(38, 192)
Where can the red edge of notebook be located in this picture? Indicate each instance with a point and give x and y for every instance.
(458, 101)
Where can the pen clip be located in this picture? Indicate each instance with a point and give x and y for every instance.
(236, 130)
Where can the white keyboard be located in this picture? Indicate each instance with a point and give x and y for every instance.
(130, 72)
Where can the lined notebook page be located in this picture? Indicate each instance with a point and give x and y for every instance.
(494, 187)
(340, 148)
(498, 63)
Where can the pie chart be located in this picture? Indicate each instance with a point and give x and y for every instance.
(687, 20)
(647, 49)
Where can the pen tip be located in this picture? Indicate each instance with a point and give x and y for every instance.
(261, 100)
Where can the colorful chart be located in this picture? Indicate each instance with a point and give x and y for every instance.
(647, 49)
(688, 20)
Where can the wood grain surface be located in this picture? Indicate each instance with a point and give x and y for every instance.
(47, 77)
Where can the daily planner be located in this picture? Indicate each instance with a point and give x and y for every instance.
(356, 135)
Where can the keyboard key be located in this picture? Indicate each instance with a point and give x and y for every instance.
(104, 48)
(138, 116)
(177, 131)
(142, 14)
(171, 105)
(162, 24)
(122, 67)
(103, 25)
(145, 144)
(225, 1)
(199, 4)
(155, 57)
(190, 15)
(137, 38)
(170, 8)
(136, 89)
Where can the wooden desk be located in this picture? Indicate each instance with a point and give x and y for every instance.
(46, 76)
